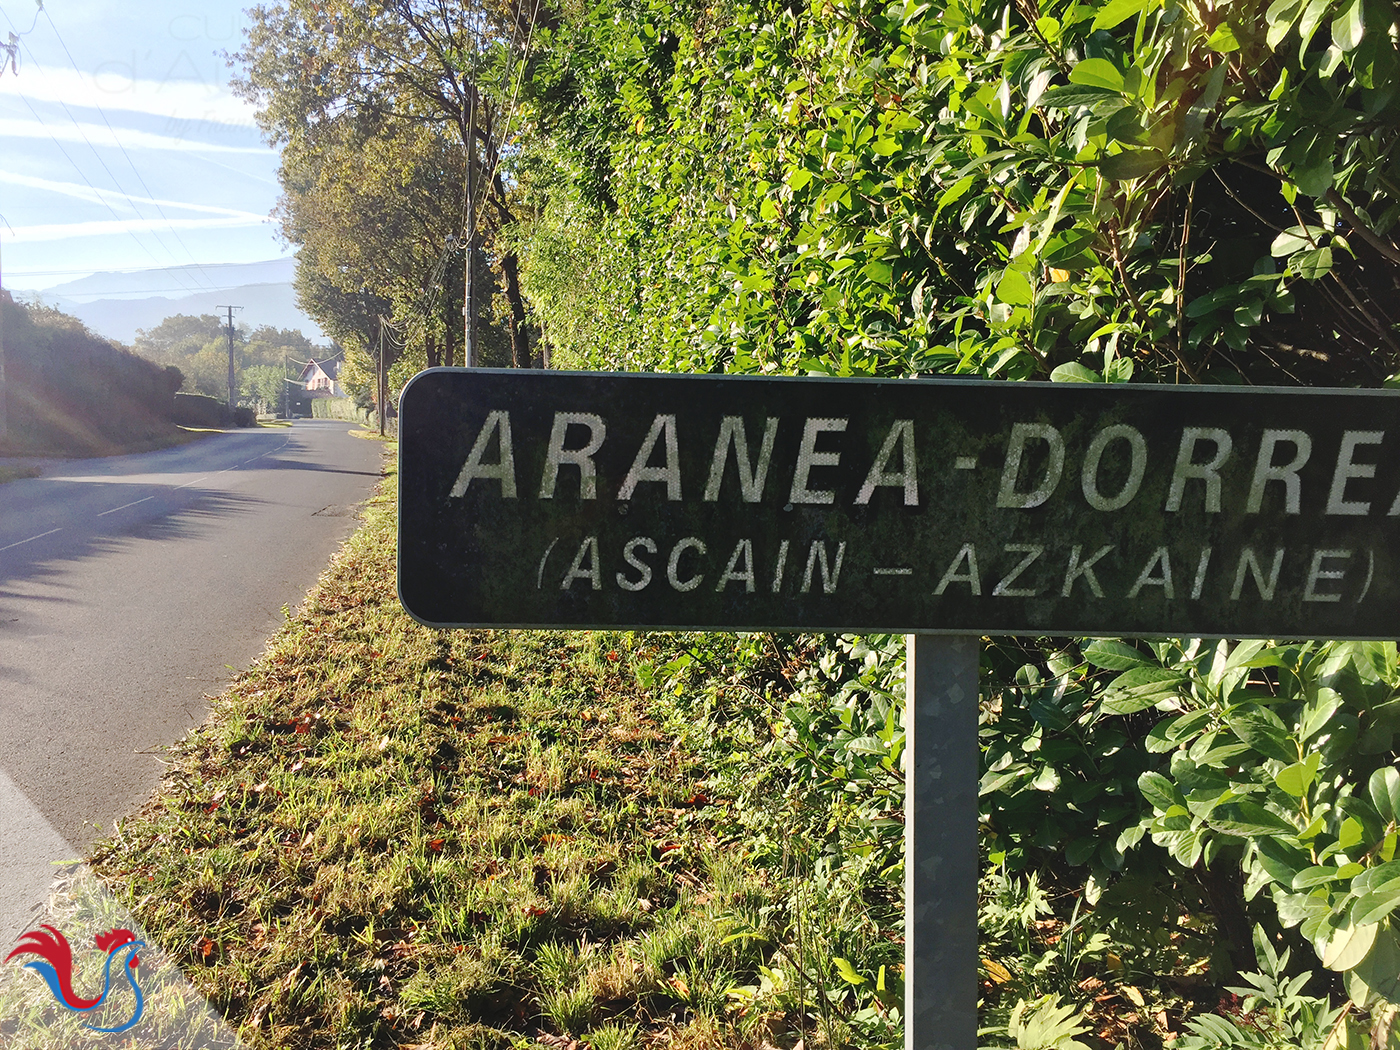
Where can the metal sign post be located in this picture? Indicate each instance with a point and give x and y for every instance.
(946, 509)
(940, 842)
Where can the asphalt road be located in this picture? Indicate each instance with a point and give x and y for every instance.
(128, 588)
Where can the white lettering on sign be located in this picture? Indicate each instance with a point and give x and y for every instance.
(1265, 470)
(968, 554)
(808, 457)
(1008, 496)
(1200, 581)
(901, 435)
(629, 555)
(582, 458)
(1209, 471)
(673, 567)
(669, 473)
(503, 470)
(1160, 557)
(1249, 561)
(1076, 569)
(731, 433)
(1004, 589)
(1090, 477)
(1347, 468)
(1316, 573)
(733, 571)
(781, 567)
(579, 571)
(817, 556)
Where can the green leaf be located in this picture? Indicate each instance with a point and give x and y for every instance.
(1141, 688)
(1068, 96)
(1317, 875)
(1349, 946)
(1375, 877)
(1258, 728)
(1297, 778)
(1132, 164)
(1110, 653)
(1313, 265)
(1295, 908)
(1384, 789)
(1279, 860)
(1314, 176)
(1380, 970)
(1280, 18)
(1160, 791)
(1116, 11)
(1223, 39)
(798, 178)
(1376, 905)
(1097, 72)
(1251, 820)
(1347, 26)
(847, 971)
(1074, 372)
(1014, 290)
(1295, 239)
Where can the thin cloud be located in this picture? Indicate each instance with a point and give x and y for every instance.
(112, 198)
(109, 227)
(101, 135)
(108, 88)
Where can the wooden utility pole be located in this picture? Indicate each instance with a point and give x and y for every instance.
(232, 383)
(382, 384)
(469, 292)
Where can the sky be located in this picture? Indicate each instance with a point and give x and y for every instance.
(122, 146)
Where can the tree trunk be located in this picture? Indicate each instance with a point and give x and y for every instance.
(431, 350)
(449, 350)
(519, 343)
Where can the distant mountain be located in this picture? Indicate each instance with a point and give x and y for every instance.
(117, 305)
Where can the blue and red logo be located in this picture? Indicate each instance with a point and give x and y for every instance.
(56, 968)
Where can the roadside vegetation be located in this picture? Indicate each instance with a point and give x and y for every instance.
(389, 835)
(264, 359)
(69, 392)
(1186, 843)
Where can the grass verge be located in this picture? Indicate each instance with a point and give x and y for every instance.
(393, 836)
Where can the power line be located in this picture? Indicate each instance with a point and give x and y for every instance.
(97, 156)
(192, 288)
(81, 174)
(120, 145)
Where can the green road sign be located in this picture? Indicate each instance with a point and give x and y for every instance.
(546, 499)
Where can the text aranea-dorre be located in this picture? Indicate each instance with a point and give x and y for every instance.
(606, 500)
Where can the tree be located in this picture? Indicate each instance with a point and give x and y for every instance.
(419, 87)
(198, 346)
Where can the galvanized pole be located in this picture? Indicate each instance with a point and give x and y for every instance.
(940, 842)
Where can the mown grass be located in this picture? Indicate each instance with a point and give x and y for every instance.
(393, 836)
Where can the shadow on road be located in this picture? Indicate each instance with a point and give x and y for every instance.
(165, 513)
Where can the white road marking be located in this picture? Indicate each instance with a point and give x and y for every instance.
(124, 506)
(893, 572)
(32, 539)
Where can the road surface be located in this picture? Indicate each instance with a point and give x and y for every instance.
(128, 588)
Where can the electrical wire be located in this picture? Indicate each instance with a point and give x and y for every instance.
(130, 163)
(81, 174)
